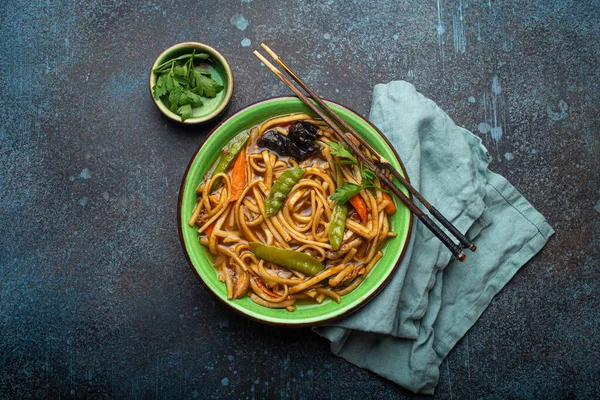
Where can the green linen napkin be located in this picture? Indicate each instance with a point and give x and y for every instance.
(405, 332)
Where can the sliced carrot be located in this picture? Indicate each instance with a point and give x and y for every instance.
(264, 287)
(209, 229)
(238, 176)
(390, 209)
(360, 206)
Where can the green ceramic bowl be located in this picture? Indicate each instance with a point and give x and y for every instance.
(200, 259)
(220, 72)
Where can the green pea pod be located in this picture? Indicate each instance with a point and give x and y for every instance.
(337, 225)
(281, 188)
(230, 152)
(291, 259)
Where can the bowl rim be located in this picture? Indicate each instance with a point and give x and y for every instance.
(228, 87)
(291, 324)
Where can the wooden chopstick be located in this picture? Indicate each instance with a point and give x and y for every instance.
(465, 242)
(441, 235)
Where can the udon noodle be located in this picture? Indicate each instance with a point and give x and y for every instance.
(233, 219)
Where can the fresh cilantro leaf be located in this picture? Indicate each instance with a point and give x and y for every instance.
(169, 82)
(174, 96)
(189, 97)
(160, 88)
(181, 72)
(205, 86)
(367, 180)
(185, 111)
(168, 64)
(342, 152)
(344, 192)
(367, 175)
(347, 190)
(203, 72)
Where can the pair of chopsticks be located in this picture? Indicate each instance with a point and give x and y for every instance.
(329, 116)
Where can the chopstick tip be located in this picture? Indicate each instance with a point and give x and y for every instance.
(270, 52)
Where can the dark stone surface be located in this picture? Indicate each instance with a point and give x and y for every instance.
(96, 298)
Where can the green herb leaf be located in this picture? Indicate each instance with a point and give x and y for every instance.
(185, 111)
(174, 96)
(367, 175)
(167, 64)
(204, 85)
(347, 190)
(189, 97)
(342, 152)
(181, 72)
(160, 88)
(169, 82)
(344, 192)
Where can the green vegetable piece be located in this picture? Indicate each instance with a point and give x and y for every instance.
(205, 86)
(343, 193)
(337, 225)
(347, 190)
(367, 176)
(230, 152)
(339, 150)
(291, 259)
(160, 89)
(281, 188)
(185, 111)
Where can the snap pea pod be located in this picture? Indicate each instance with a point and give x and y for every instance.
(337, 225)
(291, 259)
(281, 188)
(229, 153)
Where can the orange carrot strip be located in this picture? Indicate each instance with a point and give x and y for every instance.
(390, 209)
(360, 206)
(264, 288)
(209, 229)
(238, 176)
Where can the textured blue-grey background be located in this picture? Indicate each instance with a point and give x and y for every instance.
(96, 298)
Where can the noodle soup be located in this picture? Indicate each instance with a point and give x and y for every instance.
(289, 214)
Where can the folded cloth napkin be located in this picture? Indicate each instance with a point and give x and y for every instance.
(406, 331)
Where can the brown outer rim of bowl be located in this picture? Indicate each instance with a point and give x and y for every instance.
(228, 95)
(283, 324)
